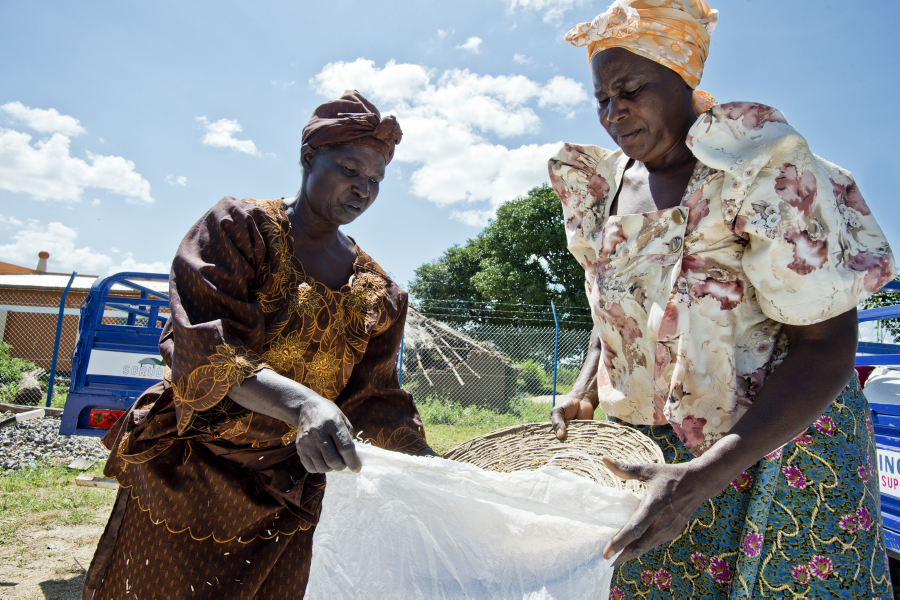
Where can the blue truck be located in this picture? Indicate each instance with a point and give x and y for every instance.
(116, 356)
(113, 363)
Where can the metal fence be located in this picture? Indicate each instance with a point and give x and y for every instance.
(28, 323)
(480, 368)
(28, 327)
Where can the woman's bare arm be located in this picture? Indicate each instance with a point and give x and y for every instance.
(818, 366)
(582, 400)
(324, 435)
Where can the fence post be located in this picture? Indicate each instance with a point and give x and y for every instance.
(400, 366)
(555, 351)
(59, 322)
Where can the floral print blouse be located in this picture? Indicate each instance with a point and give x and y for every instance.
(689, 301)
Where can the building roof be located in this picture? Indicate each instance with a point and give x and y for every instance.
(11, 269)
(58, 283)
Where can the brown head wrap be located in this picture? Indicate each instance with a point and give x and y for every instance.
(352, 120)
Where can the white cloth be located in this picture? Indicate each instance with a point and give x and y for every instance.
(417, 527)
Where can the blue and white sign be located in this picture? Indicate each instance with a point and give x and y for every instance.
(889, 472)
(126, 364)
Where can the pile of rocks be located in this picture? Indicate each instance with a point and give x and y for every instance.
(26, 443)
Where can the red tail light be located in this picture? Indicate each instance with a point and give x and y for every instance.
(103, 419)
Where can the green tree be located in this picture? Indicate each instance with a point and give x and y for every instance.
(510, 271)
(879, 299)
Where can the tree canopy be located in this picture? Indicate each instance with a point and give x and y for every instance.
(510, 271)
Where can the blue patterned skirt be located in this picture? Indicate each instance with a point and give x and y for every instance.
(804, 522)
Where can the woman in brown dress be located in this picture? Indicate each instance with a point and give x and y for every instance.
(281, 348)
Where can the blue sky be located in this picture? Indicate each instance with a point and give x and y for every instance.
(122, 122)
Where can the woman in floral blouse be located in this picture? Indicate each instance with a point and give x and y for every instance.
(724, 262)
(281, 348)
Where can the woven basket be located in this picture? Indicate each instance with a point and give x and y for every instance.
(529, 447)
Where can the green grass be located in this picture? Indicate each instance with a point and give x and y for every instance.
(448, 424)
(46, 494)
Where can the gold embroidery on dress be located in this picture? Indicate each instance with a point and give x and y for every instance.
(275, 210)
(361, 298)
(285, 352)
(323, 369)
(290, 437)
(233, 364)
(340, 319)
(305, 300)
(363, 292)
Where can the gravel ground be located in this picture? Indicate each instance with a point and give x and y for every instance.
(38, 439)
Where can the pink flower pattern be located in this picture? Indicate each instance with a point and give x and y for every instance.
(616, 594)
(804, 439)
(863, 474)
(647, 578)
(864, 518)
(825, 424)
(701, 562)
(719, 570)
(794, 210)
(663, 579)
(821, 567)
(800, 573)
(795, 477)
(743, 482)
(849, 523)
(752, 544)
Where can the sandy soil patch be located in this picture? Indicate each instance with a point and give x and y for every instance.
(44, 563)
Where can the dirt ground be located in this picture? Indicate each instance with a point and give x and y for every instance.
(44, 563)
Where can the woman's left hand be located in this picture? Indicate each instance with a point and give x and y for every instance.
(674, 492)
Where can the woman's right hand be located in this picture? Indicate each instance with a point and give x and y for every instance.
(325, 437)
(582, 400)
(571, 407)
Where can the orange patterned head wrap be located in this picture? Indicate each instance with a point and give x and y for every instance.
(673, 33)
(352, 119)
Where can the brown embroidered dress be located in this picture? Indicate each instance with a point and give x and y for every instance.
(214, 500)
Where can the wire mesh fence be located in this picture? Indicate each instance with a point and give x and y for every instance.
(28, 322)
(481, 367)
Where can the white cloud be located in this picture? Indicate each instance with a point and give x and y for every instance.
(474, 218)
(65, 255)
(43, 121)
(59, 241)
(47, 171)
(176, 180)
(563, 94)
(220, 134)
(471, 44)
(283, 84)
(129, 264)
(448, 120)
(522, 59)
(553, 9)
(95, 202)
(442, 33)
(10, 221)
